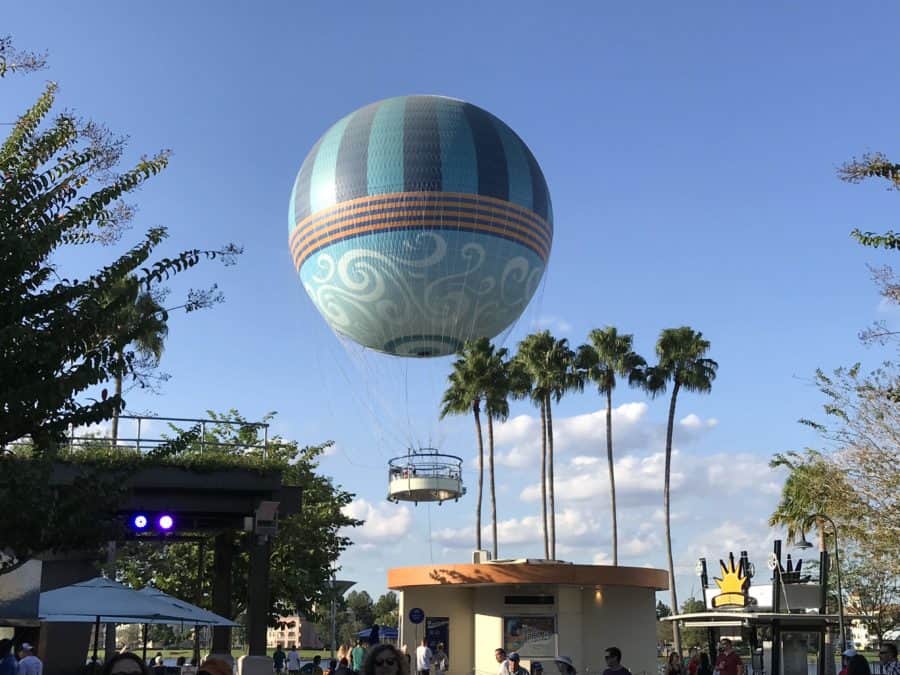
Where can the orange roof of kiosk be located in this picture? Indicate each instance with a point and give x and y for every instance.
(526, 571)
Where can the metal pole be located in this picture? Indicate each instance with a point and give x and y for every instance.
(139, 435)
(837, 569)
(333, 615)
(96, 638)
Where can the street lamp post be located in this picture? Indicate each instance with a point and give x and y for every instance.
(338, 588)
(803, 543)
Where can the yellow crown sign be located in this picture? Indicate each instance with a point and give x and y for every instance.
(733, 584)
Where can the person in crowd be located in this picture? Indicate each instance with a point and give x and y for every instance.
(440, 661)
(342, 651)
(858, 665)
(357, 656)
(385, 659)
(565, 665)
(728, 663)
(317, 665)
(8, 663)
(293, 661)
(29, 664)
(693, 661)
(180, 662)
(673, 664)
(424, 655)
(159, 666)
(343, 667)
(500, 655)
(537, 668)
(705, 667)
(845, 660)
(887, 655)
(614, 665)
(125, 663)
(332, 667)
(514, 667)
(279, 658)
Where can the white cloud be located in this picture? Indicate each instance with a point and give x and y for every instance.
(554, 324)
(582, 460)
(383, 521)
(694, 422)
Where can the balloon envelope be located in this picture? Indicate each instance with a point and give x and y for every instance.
(419, 222)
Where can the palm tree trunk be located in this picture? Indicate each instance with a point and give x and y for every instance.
(544, 479)
(612, 478)
(115, 418)
(552, 491)
(476, 405)
(490, 425)
(676, 630)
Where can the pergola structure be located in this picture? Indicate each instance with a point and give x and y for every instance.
(206, 504)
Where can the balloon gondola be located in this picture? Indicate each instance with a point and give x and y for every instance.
(425, 475)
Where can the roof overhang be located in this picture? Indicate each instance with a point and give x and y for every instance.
(740, 619)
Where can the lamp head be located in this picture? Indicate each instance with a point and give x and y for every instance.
(802, 544)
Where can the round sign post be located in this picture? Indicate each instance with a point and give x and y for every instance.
(416, 616)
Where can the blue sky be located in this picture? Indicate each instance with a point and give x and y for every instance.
(690, 152)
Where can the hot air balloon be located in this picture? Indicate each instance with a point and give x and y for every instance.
(419, 222)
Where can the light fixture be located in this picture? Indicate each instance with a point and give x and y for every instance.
(803, 544)
(139, 521)
(698, 568)
(165, 522)
(772, 561)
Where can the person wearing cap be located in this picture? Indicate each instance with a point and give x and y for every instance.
(537, 668)
(29, 664)
(514, 667)
(614, 662)
(565, 665)
(846, 655)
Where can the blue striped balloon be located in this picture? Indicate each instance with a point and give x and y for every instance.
(419, 222)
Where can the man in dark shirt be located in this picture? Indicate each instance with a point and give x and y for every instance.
(614, 662)
(278, 659)
(729, 663)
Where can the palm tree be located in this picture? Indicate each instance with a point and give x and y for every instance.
(496, 405)
(608, 355)
(470, 383)
(147, 319)
(813, 486)
(544, 372)
(682, 361)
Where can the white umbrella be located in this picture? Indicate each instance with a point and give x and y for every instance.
(102, 599)
(198, 615)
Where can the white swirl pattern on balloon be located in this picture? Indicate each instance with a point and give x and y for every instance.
(424, 288)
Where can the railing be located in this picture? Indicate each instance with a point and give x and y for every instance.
(146, 438)
(426, 463)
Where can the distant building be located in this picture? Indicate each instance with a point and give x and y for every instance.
(293, 630)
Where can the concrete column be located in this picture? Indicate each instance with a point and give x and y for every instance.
(223, 553)
(258, 595)
(63, 647)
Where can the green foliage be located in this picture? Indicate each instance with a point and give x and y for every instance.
(14, 60)
(606, 356)
(61, 337)
(303, 551)
(480, 375)
(693, 637)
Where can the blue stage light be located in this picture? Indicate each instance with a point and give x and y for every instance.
(140, 521)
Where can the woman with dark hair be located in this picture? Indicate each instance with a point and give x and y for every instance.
(125, 663)
(673, 666)
(385, 659)
(8, 663)
(705, 667)
(857, 665)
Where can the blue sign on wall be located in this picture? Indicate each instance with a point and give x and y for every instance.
(416, 615)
